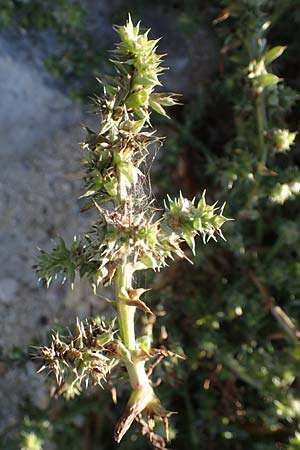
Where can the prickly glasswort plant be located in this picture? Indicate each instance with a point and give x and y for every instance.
(128, 235)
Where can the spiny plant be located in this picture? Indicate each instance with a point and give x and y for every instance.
(129, 235)
(243, 345)
(266, 100)
(251, 389)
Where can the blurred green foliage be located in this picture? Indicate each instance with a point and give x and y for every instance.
(244, 350)
(239, 387)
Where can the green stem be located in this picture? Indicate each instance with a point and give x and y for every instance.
(136, 370)
(125, 313)
(122, 188)
(142, 393)
(262, 151)
(261, 125)
(123, 281)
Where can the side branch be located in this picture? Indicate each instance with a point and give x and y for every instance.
(281, 317)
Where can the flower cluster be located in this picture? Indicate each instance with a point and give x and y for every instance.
(258, 73)
(121, 144)
(188, 220)
(286, 191)
(283, 139)
(79, 359)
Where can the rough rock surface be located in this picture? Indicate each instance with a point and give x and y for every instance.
(40, 131)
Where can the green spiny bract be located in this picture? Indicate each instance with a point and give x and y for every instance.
(188, 220)
(75, 360)
(128, 235)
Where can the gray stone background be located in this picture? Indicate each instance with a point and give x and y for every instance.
(40, 132)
